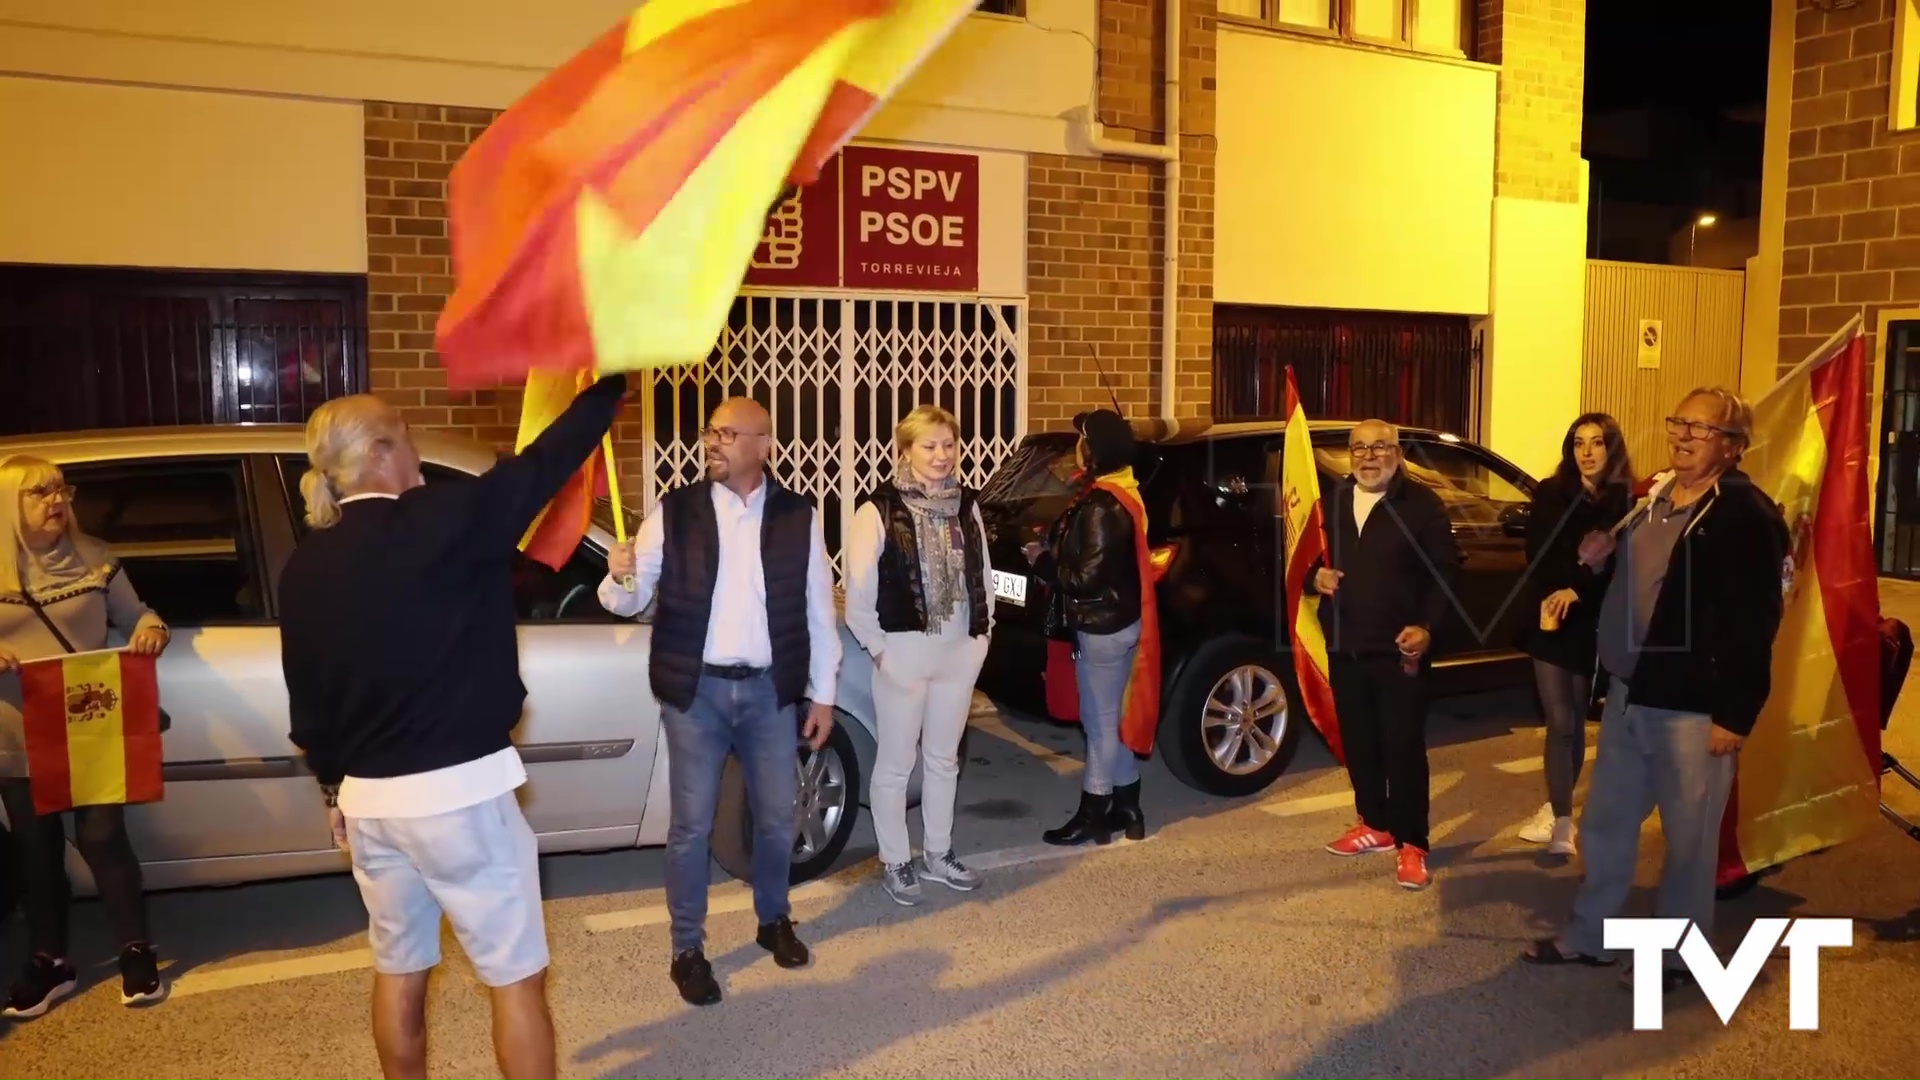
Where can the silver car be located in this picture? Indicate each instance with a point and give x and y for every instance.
(204, 519)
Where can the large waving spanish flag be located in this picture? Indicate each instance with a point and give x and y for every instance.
(1809, 773)
(1306, 545)
(92, 729)
(607, 219)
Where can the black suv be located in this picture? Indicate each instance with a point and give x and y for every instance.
(1230, 721)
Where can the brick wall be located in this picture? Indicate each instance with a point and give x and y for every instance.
(1094, 255)
(410, 151)
(1540, 46)
(1852, 244)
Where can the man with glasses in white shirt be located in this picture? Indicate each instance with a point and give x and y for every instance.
(745, 630)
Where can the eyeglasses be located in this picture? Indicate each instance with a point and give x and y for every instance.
(1373, 450)
(726, 436)
(50, 492)
(1696, 429)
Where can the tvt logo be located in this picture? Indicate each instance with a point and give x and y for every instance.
(1726, 987)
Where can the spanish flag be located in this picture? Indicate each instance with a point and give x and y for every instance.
(92, 729)
(1306, 547)
(606, 221)
(555, 534)
(1809, 773)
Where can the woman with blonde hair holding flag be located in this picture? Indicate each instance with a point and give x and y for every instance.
(1102, 595)
(59, 592)
(920, 601)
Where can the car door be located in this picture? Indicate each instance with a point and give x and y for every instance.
(1487, 501)
(187, 533)
(1221, 502)
(590, 729)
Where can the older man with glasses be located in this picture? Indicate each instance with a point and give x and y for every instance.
(732, 658)
(1387, 581)
(1694, 592)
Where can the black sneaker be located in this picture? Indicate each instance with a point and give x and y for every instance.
(778, 938)
(694, 976)
(44, 982)
(140, 982)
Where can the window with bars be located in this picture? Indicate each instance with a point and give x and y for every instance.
(1016, 8)
(1415, 369)
(1444, 27)
(86, 348)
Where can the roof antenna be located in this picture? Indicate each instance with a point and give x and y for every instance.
(1102, 372)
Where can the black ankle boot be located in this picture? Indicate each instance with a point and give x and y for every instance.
(1125, 816)
(1087, 823)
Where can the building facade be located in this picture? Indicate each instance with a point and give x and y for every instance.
(1840, 228)
(1386, 194)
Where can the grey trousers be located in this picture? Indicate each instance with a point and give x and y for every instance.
(1650, 758)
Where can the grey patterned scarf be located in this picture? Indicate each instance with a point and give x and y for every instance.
(937, 533)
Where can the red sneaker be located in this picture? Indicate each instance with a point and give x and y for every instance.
(1360, 840)
(1413, 868)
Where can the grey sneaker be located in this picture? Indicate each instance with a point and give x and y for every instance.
(949, 871)
(901, 884)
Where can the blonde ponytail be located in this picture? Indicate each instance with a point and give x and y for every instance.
(323, 509)
(342, 436)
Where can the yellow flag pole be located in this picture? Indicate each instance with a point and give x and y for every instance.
(613, 494)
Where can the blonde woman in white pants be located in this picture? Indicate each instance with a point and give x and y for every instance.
(920, 601)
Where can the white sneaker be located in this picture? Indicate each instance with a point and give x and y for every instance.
(1539, 827)
(1561, 842)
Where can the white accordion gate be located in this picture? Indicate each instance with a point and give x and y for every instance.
(837, 373)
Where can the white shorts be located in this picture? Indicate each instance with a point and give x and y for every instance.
(479, 866)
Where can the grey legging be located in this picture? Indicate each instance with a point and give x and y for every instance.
(1564, 697)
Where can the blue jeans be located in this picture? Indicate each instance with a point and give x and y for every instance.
(1101, 671)
(744, 717)
(1648, 758)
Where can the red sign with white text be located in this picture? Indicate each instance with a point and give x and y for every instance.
(877, 218)
(801, 246)
(910, 220)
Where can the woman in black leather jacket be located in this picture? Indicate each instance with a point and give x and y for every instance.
(1100, 598)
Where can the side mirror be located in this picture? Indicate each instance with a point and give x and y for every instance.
(1515, 519)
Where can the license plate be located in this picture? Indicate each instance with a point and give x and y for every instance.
(1010, 587)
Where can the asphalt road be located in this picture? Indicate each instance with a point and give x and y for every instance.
(1227, 944)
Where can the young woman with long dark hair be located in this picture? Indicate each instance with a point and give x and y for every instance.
(1590, 491)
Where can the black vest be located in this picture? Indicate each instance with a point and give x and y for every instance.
(689, 567)
(902, 601)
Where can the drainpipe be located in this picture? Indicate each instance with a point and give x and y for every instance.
(1168, 154)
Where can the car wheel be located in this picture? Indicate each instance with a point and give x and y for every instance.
(1231, 725)
(826, 810)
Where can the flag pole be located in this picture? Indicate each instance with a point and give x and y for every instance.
(613, 494)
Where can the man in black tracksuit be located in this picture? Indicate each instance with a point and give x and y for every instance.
(1388, 581)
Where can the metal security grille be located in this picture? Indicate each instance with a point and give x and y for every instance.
(1897, 509)
(1419, 370)
(83, 349)
(838, 373)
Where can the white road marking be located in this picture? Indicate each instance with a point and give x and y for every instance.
(735, 896)
(1446, 828)
(1319, 804)
(1533, 764)
(245, 975)
(987, 718)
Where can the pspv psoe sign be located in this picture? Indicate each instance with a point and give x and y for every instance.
(1725, 987)
(878, 218)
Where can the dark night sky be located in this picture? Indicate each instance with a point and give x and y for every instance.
(1688, 54)
(1690, 77)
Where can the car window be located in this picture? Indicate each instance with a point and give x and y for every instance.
(1474, 491)
(182, 533)
(540, 593)
(1223, 480)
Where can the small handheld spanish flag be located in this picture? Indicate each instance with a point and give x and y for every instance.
(92, 729)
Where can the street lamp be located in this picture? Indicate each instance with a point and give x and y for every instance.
(1704, 221)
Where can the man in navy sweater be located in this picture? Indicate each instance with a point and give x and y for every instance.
(402, 670)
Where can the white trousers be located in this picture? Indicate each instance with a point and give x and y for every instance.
(922, 693)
